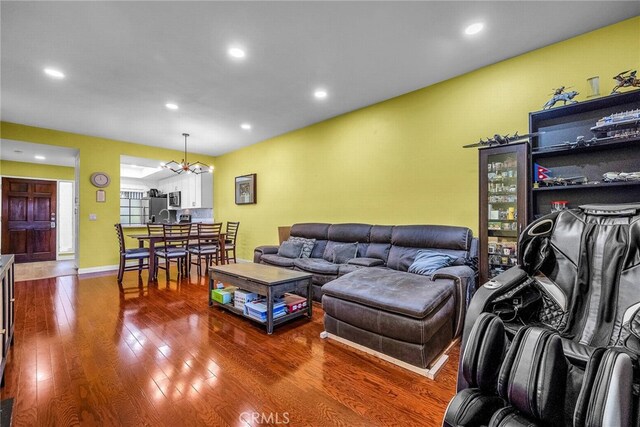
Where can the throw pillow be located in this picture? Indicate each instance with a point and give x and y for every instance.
(345, 252)
(307, 245)
(427, 261)
(290, 249)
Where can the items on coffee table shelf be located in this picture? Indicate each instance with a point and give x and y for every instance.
(257, 309)
(241, 297)
(270, 283)
(621, 176)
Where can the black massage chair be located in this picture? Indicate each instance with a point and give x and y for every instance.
(555, 341)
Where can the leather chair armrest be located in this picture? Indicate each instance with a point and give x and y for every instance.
(464, 278)
(264, 250)
(483, 296)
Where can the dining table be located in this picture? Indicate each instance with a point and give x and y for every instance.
(153, 239)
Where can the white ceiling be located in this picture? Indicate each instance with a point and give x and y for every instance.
(18, 151)
(124, 60)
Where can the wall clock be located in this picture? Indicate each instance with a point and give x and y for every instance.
(100, 179)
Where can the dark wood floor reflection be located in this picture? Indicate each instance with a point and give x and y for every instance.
(87, 352)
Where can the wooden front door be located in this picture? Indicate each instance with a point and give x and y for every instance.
(29, 219)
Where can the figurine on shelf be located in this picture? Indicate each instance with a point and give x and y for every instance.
(501, 140)
(559, 94)
(626, 80)
(621, 176)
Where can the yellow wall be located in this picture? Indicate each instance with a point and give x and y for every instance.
(98, 244)
(36, 170)
(401, 161)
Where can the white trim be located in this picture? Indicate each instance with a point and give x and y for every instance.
(99, 269)
(429, 373)
(66, 257)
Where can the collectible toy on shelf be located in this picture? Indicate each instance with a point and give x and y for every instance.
(569, 180)
(501, 140)
(625, 124)
(559, 94)
(621, 176)
(625, 80)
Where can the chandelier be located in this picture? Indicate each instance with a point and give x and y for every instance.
(185, 166)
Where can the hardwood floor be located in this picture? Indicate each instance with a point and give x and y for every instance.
(89, 353)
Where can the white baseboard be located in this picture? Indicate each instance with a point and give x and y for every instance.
(98, 269)
(429, 373)
(104, 268)
(70, 257)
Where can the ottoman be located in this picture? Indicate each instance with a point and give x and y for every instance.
(406, 316)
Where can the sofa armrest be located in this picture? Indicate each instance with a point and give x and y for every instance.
(464, 278)
(264, 250)
(366, 262)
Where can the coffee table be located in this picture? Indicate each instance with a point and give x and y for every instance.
(265, 280)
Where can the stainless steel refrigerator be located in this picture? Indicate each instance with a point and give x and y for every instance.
(152, 207)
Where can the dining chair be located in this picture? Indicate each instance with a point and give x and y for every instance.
(158, 231)
(207, 246)
(176, 242)
(230, 239)
(139, 254)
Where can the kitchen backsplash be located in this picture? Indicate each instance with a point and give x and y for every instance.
(198, 215)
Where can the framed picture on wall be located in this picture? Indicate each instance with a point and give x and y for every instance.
(246, 189)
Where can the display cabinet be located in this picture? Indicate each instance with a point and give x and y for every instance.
(503, 206)
(580, 143)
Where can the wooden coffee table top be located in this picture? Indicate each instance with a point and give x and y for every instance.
(265, 274)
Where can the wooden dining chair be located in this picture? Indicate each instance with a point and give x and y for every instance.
(156, 230)
(176, 242)
(230, 240)
(138, 254)
(207, 246)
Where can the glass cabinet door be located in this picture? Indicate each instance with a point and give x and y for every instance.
(503, 207)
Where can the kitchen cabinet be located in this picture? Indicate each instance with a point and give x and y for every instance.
(196, 191)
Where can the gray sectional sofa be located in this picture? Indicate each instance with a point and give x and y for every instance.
(373, 300)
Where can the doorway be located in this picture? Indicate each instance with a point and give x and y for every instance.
(29, 210)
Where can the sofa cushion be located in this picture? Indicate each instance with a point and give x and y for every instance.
(366, 262)
(349, 233)
(291, 249)
(278, 260)
(428, 261)
(310, 230)
(344, 252)
(409, 294)
(307, 245)
(316, 265)
(347, 268)
(432, 236)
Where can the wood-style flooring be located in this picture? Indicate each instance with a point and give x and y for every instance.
(45, 269)
(89, 353)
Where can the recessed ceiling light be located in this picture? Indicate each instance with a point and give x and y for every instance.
(52, 72)
(39, 157)
(236, 52)
(171, 106)
(245, 126)
(320, 93)
(474, 28)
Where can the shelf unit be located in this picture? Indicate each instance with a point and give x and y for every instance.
(562, 124)
(503, 206)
